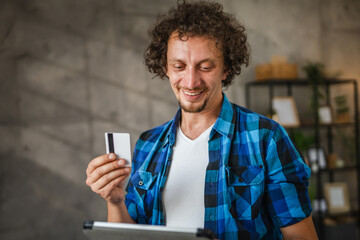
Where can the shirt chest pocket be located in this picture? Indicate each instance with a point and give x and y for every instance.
(143, 192)
(142, 182)
(245, 191)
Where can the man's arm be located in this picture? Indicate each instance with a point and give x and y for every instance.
(106, 176)
(302, 230)
(119, 213)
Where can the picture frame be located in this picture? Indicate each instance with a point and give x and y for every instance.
(325, 114)
(286, 111)
(319, 205)
(317, 158)
(337, 197)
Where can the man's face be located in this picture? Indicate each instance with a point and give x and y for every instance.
(195, 68)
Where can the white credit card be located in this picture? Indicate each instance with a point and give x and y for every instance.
(119, 143)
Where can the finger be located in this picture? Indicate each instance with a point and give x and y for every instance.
(121, 162)
(103, 170)
(107, 168)
(99, 161)
(106, 190)
(126, 176)
(109, 177)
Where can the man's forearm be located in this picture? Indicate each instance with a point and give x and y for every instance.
(303, 230)
(119, 213)
(300, 238)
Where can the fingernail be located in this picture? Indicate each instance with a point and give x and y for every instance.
(111, 156)
(127, 169)
(120, 162)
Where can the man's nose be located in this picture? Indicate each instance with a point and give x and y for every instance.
(192, 79)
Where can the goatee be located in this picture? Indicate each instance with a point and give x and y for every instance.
(193, 109)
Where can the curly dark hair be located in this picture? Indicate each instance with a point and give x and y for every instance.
(199, 19)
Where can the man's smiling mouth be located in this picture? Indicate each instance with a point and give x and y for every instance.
(192, 93)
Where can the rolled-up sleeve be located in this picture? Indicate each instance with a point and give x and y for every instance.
(286, 181)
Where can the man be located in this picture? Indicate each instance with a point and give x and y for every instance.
(215, 165)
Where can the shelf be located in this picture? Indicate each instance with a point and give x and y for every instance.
(311, 125)
(342, 169)
(319, 129)
(298, 82)
(351, 213)
(335, 124)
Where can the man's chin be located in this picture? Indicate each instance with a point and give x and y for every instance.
(192, 109)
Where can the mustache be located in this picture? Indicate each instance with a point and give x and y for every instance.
(192, 89)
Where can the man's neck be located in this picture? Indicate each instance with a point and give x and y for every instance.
(194, 124)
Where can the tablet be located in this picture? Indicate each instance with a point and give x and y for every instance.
(96, 230)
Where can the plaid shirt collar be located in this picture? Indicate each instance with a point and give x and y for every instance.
(224, 124)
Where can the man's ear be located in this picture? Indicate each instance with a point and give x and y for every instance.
(225, 74)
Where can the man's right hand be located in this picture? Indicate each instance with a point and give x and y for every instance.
(106, 176)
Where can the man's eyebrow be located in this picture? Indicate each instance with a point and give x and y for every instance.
(211, 60)
(175, 60)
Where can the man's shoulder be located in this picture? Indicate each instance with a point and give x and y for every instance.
(251, 119)
(155, 134)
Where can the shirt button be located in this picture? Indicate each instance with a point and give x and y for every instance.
(211, 217)
(141, 183)
(241, 179)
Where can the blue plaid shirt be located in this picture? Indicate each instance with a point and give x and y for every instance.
(256, 181)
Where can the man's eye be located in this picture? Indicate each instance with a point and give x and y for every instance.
(178, 66)
(205, 68)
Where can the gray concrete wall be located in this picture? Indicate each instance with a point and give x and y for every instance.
(71, 70)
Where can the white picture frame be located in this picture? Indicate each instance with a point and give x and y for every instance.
(286, 111)
(325, 115)
(337, 197)
(317, 158)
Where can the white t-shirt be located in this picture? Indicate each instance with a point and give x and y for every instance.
(184, 189)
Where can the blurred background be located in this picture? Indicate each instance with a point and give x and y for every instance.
(71, 70)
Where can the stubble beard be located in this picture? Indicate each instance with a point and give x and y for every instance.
(194, 109)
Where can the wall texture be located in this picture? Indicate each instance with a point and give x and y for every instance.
(71, 70)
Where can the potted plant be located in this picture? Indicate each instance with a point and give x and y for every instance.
(315, 75)
(342, 109)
